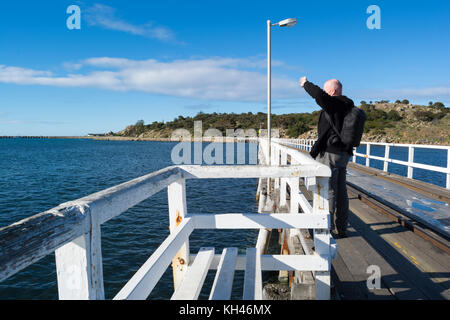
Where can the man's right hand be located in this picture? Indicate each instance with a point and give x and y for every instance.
(303, 81)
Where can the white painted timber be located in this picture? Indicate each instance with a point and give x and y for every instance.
(263, 239)
(260, 220)
(223, 282)
(29, 240)
(145, 279)
(310, 182)
(255, 171)
(322, 239)
(176, 192)
(192, 283)
(79, 268)
(304, 203)
(253, 276)
(279, 262)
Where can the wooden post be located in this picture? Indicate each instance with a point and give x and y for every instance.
(386, 157)
(276, 162)
(410, 161)
(283, 180)
(448, 169)
(177, 211)
(79, 267)
(322, 238)
(367, 155)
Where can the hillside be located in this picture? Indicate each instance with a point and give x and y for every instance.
(399, 122)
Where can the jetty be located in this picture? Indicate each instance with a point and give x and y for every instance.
(397, 245)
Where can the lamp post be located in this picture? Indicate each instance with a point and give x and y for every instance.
(283, 23)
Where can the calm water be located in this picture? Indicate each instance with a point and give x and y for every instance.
(36, 175)
(434, 157)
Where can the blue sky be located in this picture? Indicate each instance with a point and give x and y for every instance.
(155, 60)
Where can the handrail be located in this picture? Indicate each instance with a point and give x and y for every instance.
(72, 229)
(304, 144)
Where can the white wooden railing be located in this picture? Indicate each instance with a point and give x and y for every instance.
(305, 144)
(72, 231)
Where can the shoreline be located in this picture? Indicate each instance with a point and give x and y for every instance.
(121, 138)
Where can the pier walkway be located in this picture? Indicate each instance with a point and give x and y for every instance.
(398, 227)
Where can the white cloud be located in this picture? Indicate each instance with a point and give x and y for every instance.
(105, 16)
(207, 79)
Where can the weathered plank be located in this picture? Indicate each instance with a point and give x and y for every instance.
(259, 220)
(322, 238)
(255, 171)
(192, 283)
(223, 282)
(253, 276)
(176, 193)
(417, 283)
(275, 262)
(145, 279)
(29, 240)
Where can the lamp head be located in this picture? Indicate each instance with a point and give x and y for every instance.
(287, 22)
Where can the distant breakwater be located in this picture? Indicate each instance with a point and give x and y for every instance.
(119, 138)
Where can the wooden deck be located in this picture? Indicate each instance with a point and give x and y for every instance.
(411, 268)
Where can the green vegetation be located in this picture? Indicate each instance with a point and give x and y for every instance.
(396, 122)
(293, 124)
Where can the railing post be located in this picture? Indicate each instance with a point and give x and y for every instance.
(386, 158)
(322, 238)
(177, 210)
(283, 180)
(79, 269)
(448, 168)
(276, 162)
(367, 155)
(410, 161)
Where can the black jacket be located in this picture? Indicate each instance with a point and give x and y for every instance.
(336, 107)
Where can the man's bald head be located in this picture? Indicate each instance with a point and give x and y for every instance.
(333, 87)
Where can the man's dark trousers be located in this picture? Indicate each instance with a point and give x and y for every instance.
(338, 198)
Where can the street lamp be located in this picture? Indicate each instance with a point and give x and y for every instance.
(283, 23)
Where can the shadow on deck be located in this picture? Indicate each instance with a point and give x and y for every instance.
(410, 267)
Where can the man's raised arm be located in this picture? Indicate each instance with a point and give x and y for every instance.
(323, 99)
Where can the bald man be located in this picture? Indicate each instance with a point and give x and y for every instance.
(329, 149)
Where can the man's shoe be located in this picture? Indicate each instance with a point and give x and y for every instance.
(342, 235)
(339, 235)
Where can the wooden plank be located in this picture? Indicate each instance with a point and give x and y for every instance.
(358, 264)
(192, 283)
(145, 279)
(223, 282)
(253, 276)
(417, 284)
(322, 238)
(347, 287)
(255, 171)
(427, 189)
(276, 262)
(79, 268)
(29, 240)
(176, 193)
(420, 284)
(260, 220)
(295, 196)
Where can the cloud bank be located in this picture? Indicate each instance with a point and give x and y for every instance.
(211, 79)
(224, 79)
